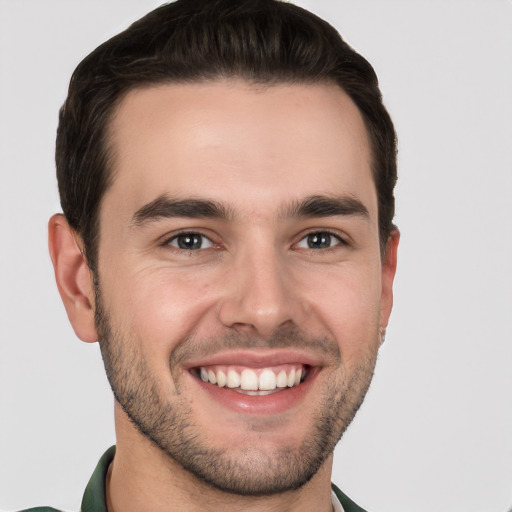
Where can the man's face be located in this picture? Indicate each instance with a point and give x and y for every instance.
(239, 249)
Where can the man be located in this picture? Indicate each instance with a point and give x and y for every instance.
(226, 171)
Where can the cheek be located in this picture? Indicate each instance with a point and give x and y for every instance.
(348, 303)
(160, 306)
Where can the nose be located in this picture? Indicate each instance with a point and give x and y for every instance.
(260, 294)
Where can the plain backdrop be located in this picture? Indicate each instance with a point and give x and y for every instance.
(435, 432)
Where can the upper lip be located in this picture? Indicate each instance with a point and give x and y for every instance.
(256, 358)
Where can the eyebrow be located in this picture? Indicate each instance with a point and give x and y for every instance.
(166, 207)
(310, 207)
(325, 206)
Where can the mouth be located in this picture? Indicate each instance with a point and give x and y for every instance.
(253, 381)
(257, 383)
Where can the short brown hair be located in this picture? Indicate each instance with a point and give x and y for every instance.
(263, 41)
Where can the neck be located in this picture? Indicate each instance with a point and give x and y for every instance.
(142, 478)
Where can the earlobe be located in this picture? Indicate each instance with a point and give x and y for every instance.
(73, 276)
(388, 275)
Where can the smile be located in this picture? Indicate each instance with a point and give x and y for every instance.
(253, 381)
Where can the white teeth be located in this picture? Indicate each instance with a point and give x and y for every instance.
(212, 377)
(233, 380)
(257, 393)
(249, 380)
(291, 378)
(221, 378)
(267, 380)
(282, 379)
(252, 380)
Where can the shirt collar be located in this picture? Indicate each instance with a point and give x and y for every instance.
(95, 498)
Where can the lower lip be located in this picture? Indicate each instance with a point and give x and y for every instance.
(274, 403)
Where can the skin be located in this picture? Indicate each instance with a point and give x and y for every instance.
(255, 287)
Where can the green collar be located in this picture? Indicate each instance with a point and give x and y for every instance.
(95, 498)
(348, 504)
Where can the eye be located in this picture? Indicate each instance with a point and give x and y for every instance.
(190, 241)
(319, 240)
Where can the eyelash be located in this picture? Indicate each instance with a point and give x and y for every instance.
(168, 241)
(339, 240)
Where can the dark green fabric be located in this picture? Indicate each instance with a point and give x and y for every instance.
(41, 509)
(348, 504)
(94, 499)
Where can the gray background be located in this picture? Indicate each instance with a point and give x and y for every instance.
(435, 432)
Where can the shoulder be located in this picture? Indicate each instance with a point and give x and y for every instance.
(40, 509)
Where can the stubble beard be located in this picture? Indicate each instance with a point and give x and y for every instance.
(169, 423)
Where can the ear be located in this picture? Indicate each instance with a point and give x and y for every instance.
(388, 276)
(73, 276)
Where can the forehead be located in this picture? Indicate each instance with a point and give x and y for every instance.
(252, 146)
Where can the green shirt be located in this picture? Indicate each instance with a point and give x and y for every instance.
(94, 499)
